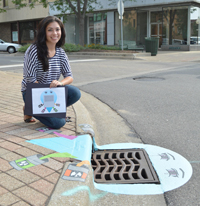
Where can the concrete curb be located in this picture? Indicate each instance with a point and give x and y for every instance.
(102, 55)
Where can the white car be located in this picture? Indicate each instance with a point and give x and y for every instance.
(9, 47)
(195, 39)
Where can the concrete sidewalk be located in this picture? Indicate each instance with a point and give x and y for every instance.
(35, 185)
(162, 56)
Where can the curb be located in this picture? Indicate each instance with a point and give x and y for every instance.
(109, 55)
(102, 55)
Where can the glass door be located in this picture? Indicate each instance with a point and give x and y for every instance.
(156, 31)
(98, 29)
(156, 25)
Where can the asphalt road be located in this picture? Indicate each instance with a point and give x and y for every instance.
(159, 100)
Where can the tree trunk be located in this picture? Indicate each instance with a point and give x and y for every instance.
(171, 21)
(170, 28)
(81, 29)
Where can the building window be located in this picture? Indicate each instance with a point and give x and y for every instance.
(175, 22)
(98, 29)
(5, 3)
(134, 27)
(27, 32)
(14, 30)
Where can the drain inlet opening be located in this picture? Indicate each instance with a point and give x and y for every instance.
(131, 166)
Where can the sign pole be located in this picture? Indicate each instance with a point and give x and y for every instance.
(121, 16)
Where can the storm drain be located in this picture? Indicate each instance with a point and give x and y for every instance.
(123, 167)
(148, 78)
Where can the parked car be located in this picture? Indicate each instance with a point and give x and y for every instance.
(9, 47)
(195, 39)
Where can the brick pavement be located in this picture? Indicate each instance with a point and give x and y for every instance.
(34, 185)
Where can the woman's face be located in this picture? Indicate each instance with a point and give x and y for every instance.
(53, 33)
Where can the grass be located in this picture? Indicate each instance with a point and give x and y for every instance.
(76, 47)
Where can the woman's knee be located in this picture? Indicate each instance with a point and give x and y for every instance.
(52, 122)
(60, 122)
(74, 94)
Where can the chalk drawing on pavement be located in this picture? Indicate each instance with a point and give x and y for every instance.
(48, 130)
(34, 160)
(92, 197)
(76, 173)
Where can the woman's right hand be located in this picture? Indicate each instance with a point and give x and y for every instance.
(55, 83)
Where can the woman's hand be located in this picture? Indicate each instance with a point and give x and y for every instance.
(55, 83)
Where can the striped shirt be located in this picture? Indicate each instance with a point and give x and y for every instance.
(33, 69)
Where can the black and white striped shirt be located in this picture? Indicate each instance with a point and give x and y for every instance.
(33, 69)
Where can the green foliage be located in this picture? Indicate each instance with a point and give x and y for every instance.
(75, 48)
(101, 47)
(94, 46)
(24, 48)
(2, 10)
(72, 47)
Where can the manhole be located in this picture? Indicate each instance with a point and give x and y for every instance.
(123, 167)
(148, 78)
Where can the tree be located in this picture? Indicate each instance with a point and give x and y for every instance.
(77, 7)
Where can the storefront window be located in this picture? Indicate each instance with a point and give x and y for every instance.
(134, 26)
(98, 29)
(27, 32)
(5, 3)
(156, 16)
(195, 25)
(70, 22)
(175, 21)
(14, 30)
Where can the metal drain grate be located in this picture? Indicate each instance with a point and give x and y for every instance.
(123, 166)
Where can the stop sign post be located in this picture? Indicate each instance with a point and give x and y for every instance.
(120, 6)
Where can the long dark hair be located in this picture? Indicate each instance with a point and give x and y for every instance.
(40, 41)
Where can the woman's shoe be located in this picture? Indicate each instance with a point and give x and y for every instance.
(30, 120)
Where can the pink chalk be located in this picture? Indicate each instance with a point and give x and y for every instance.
(65, 136)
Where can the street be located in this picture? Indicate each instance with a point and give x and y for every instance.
(158, 99)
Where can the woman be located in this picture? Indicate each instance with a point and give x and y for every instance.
(44, 62)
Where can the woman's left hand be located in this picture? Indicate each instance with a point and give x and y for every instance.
(55, 83)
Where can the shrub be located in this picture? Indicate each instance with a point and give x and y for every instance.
(24, 48)
(101, 47)
(72, 47)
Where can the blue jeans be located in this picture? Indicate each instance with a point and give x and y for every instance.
(74, 95)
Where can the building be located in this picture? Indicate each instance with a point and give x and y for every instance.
(173, 21)
(19, 25)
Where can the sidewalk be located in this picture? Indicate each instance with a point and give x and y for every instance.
(35, 185)
(162, 56)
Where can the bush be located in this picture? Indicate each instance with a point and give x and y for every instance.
(72, 47)
(24, 48)
(101, 47)
(94, 46)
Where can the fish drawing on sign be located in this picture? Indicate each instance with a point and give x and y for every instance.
(166, 156)
(173, 172)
